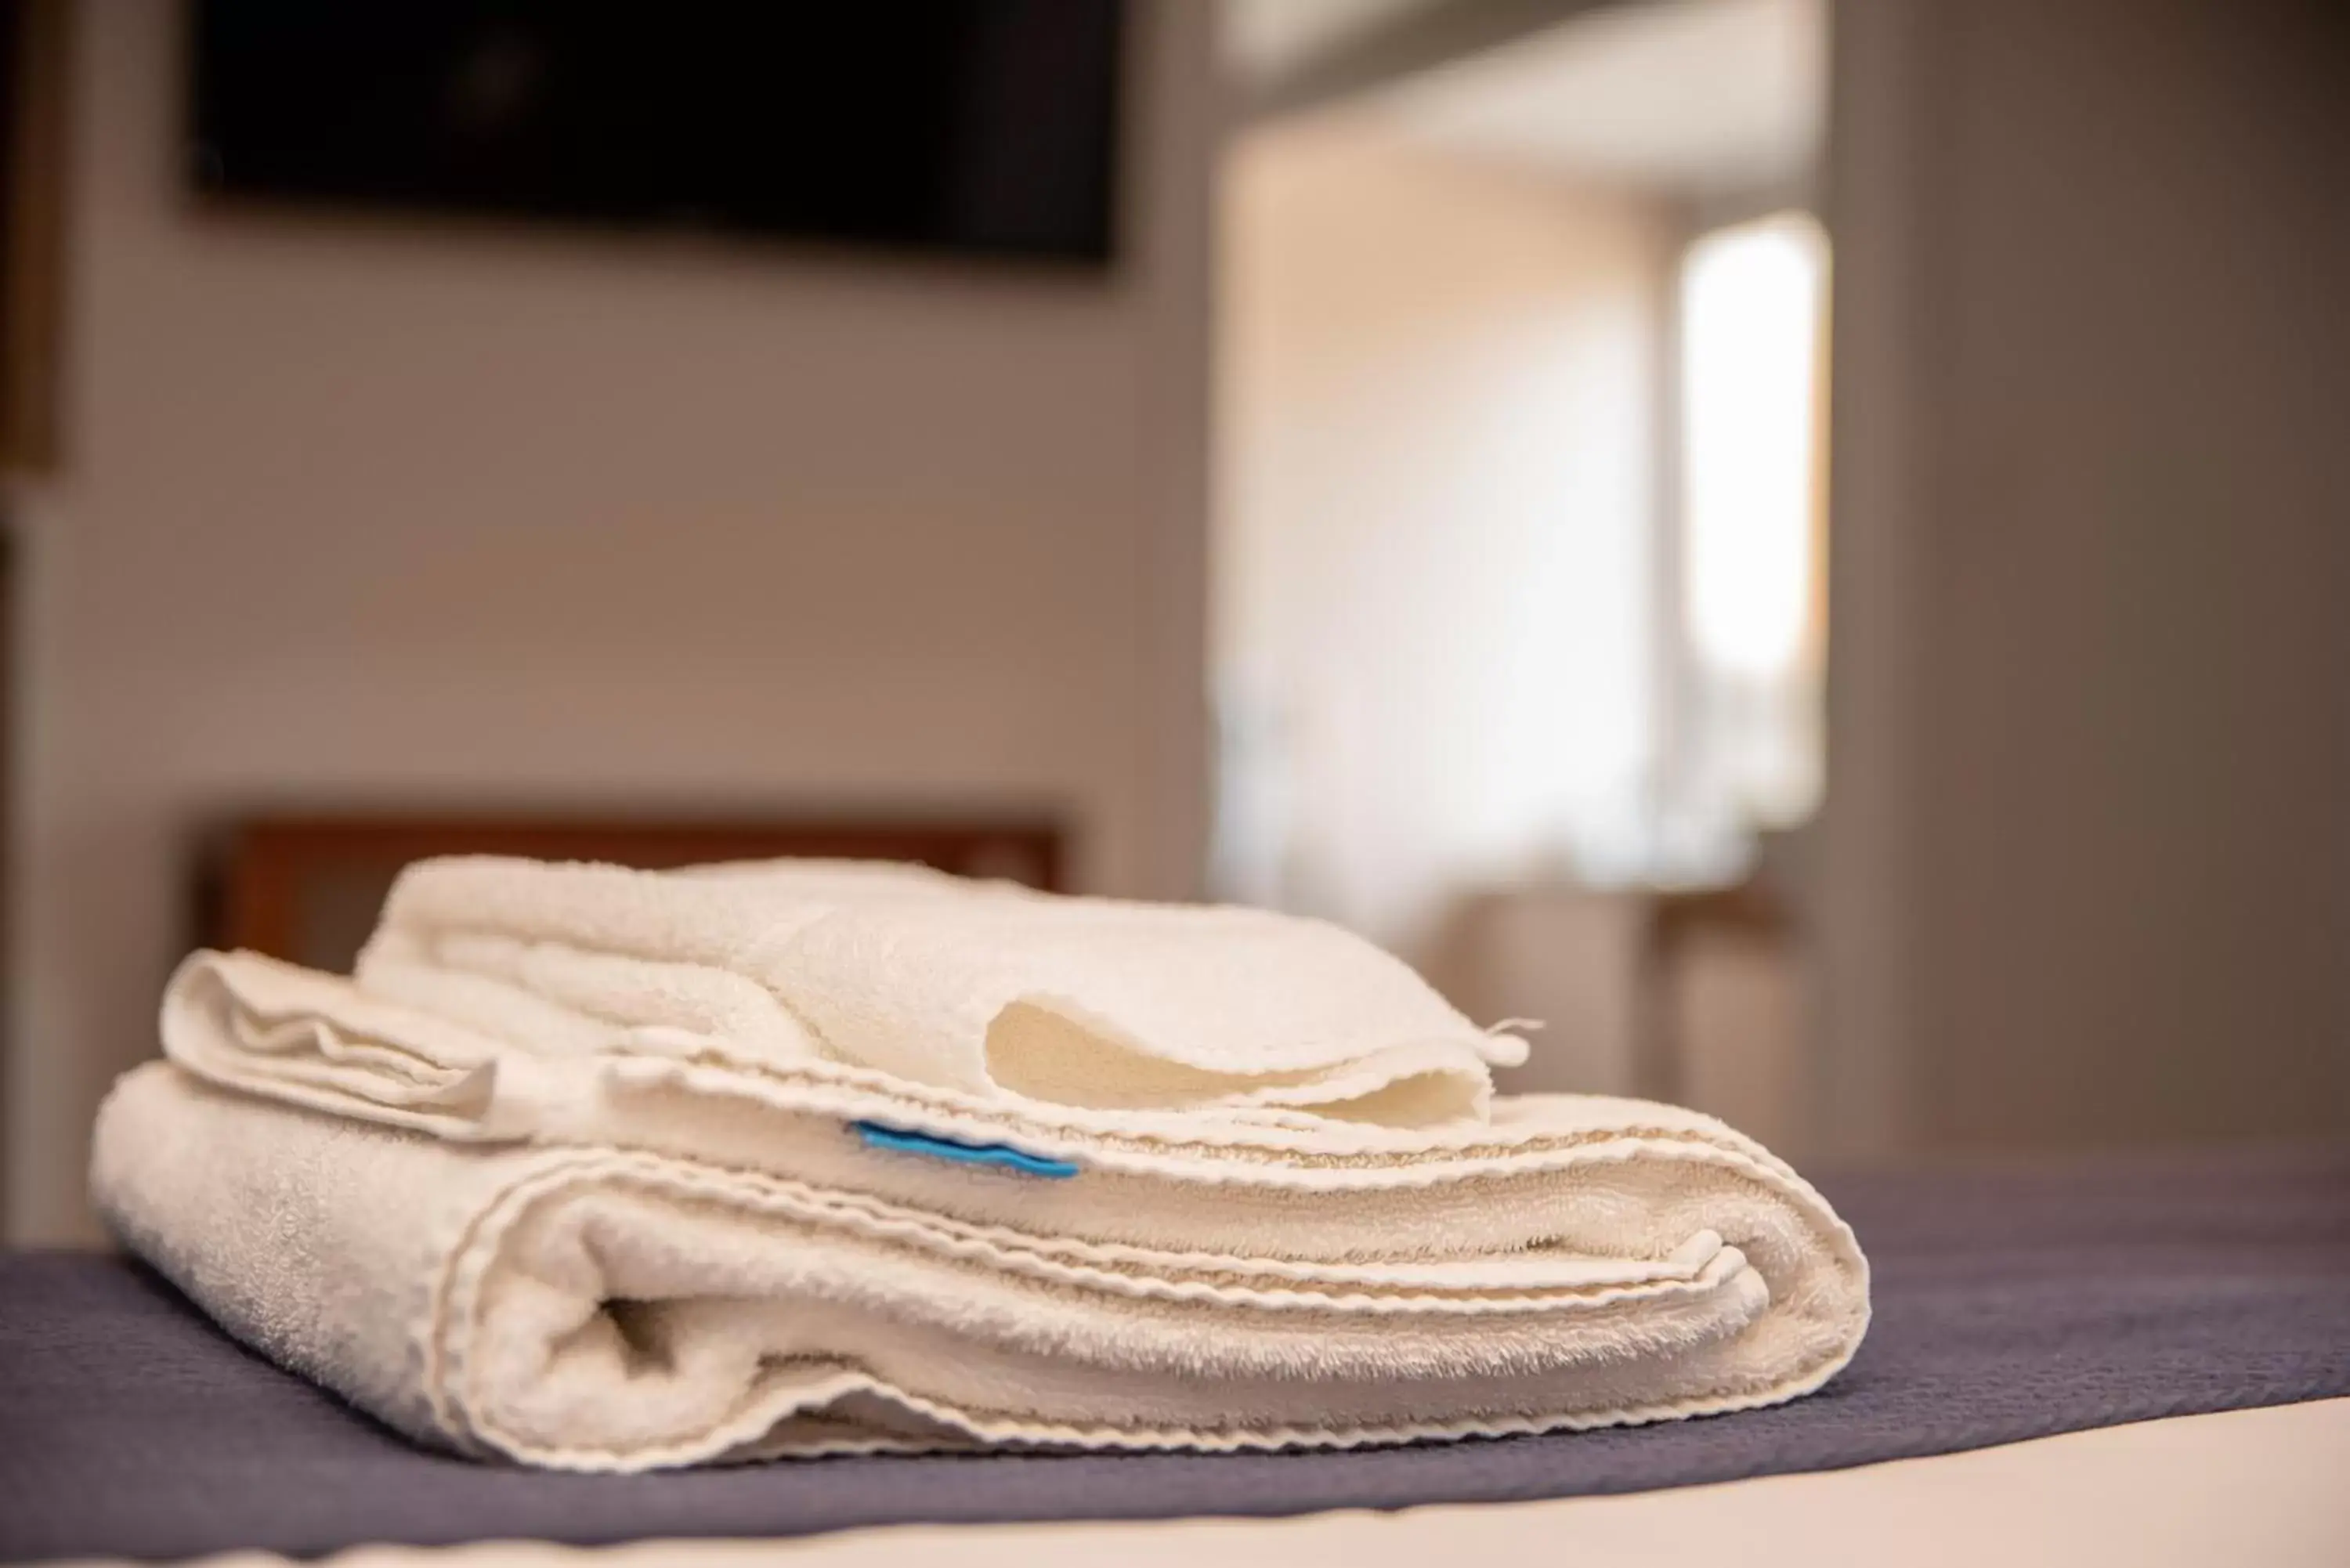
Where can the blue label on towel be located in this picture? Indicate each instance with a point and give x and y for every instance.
(1001, 1155)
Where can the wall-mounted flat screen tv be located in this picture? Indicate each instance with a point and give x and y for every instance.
(960, 125)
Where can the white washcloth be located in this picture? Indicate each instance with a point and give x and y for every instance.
(609, 1170)
(985, 987)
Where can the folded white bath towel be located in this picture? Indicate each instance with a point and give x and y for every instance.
(607, 1169)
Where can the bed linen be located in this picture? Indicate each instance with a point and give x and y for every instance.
(2011, 1304)
(2238, 1486)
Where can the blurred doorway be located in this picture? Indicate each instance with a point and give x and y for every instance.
(1518, 548)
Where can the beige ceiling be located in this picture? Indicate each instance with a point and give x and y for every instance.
(1683, 96)
(1265, 40)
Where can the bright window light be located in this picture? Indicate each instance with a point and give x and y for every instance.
(1751, 301)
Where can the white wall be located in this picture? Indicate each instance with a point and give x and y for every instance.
(1437, 394)
(359, 510)
(2087, 864)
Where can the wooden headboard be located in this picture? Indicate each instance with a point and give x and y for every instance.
(307, 888)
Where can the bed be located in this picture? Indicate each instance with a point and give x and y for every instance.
(2015, 1305)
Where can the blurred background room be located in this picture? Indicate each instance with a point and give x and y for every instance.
(1801, 543)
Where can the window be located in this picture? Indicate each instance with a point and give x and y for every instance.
(1752, 301)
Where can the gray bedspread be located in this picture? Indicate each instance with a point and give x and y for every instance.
(2010, 1304)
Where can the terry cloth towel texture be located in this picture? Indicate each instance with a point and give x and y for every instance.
(604, 1169)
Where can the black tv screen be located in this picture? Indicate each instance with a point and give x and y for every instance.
(945, 125)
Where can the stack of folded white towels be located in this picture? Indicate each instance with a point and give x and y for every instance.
(608, 1169)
